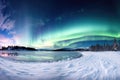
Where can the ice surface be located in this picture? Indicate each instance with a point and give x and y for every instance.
(91, 66)
(40, 56)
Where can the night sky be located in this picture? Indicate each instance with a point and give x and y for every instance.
(51, 23)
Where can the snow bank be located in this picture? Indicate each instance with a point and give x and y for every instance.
(91, 66)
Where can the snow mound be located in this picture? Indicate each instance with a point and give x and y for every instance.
(91, 66)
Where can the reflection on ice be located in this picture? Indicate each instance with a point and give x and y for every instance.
(8, 54)
(42, 56)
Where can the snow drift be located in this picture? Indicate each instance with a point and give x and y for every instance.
(91, 66)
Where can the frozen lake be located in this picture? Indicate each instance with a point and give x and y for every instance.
(40, 56)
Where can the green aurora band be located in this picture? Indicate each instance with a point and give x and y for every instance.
(76, 33)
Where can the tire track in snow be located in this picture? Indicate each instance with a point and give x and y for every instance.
(108, 69)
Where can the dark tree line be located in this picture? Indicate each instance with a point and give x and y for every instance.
(18, 48)
(106, 47)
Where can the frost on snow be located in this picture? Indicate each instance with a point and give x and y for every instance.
(91, 66)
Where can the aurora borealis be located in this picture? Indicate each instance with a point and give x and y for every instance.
(47, 23)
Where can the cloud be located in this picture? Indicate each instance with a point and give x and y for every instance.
(4, 41)
(6, 21)
(12, 33)
(16, 39)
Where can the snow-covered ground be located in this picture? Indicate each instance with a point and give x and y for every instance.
(91, 66)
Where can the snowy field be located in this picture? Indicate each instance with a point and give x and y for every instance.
(91, 66)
